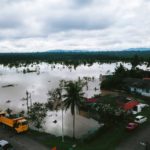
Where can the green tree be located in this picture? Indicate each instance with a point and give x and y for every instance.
(37, 114)
(136, 60)
(54, 101)
(73, 97)
(148, 63)
(120, 71)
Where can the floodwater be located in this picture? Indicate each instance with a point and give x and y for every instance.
(14, 84)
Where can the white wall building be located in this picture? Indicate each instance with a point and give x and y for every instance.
(140, 86)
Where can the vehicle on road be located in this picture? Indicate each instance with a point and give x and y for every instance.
(131, 126)
(5, 145)
(15, 121)
(140, 119)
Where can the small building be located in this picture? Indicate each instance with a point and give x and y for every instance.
(133, 106)
(130, 106)
(138, 108)
(139, 86)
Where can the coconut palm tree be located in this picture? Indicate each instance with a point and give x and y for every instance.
(73, 97)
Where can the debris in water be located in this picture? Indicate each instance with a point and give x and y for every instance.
(9, 85)
(55, 121)
(8, 101)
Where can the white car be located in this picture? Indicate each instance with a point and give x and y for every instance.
(140, 119)
(5, 145)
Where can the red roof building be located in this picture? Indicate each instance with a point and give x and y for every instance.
(91, 100)
(130, 105)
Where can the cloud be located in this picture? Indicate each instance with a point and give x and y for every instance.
(81, 3)
(38, 25)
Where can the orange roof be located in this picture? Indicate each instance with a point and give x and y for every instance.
(130, 105)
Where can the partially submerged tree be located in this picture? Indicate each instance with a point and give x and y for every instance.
(55, 101)
(37, 114)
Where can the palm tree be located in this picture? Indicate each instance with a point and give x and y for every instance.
(73, 97)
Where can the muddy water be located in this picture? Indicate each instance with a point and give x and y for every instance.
(14, 84)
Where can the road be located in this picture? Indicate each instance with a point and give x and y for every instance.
(134, 142)
(20, 141)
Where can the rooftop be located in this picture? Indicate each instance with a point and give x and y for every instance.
(130, 105)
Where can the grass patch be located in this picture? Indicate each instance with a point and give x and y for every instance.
(50, 140)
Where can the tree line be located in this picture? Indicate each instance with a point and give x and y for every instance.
(73, 58)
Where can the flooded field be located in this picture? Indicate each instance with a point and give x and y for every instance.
(14, 83)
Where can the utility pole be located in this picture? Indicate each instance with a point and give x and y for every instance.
(28, 97)
(27, 100)
(62, 107)
(62, 122)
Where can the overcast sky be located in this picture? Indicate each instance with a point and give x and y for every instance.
(40, 25)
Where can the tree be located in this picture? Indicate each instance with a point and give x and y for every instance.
(55, 98)
(73, 97)
(148, 63)
(120, 71)
(109, 112)
(136, 60)
(37, 114)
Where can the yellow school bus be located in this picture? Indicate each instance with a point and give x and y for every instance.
(19, 124)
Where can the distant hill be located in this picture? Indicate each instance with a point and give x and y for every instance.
(77, 51)
(138, 49)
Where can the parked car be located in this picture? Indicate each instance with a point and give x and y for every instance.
(140, 119)
(131, 126)
(5, 145)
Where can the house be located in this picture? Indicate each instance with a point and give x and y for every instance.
(140, 86)
(138, 108)
(130, 105)
(133, 106)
